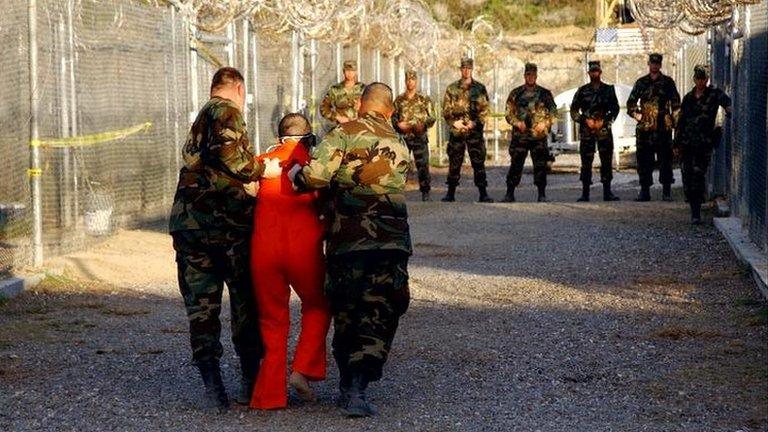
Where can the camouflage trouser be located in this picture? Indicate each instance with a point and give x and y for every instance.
(653, 146)
(587, 152)
(694, 164)
(474, 144)
(368, 292)
(206, 259)
(419, 146)
(518, 151)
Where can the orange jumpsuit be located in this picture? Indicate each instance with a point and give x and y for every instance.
(287, 252)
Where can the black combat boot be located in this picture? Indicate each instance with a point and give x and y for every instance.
(695, 211)
(425, 196)
(450, 196)
(584, 193)
(248, 371)
(344, 383)
(542, 194)
(354, 404)
(607, 194)
(215, 393)
(644, 195)
(484, 198)
(510, 195)
(666, 194)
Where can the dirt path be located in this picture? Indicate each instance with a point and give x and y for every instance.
(551, 317)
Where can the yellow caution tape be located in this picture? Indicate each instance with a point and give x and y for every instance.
(34, 172)
(84, 140)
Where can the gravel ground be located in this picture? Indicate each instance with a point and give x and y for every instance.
(550, 317)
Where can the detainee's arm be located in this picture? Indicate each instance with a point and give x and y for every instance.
(228, 148)
(325, 163)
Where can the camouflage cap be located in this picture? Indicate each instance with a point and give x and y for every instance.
(467, 62)
(700, 72)
(655, 58)
(410, 74)
(350, 65)
(531, 67)
(594, 65)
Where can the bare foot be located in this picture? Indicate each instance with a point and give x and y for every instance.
(301, 385)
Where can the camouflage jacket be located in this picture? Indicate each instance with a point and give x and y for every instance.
(341, 101)
(533, 107)
(217, 161)
(365, 164)
(657, 100)
(696, 126)
(468, 104)
(417, 110)
(597, 104)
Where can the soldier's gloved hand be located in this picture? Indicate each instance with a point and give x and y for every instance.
(637, 116)
(459, 124)
(470, 124)
(521, 126)
(405, 127)
(251, 188)
(597, 124)
(342, 119)
(419, 128)
(293, 172)
(272, 168)
(540, 128)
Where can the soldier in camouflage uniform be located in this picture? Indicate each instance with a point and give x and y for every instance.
(697, 135)
(594, 108)
(365, 163)
(655, 103)
(414, 114)
(210, 223)
(341, 102)
(465, 107)
(531, 111)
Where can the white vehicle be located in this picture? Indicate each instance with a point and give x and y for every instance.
(565, 134)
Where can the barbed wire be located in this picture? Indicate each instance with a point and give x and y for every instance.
(394, 27)
(691, 17)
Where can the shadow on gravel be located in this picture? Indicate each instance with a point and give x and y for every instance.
(89, 357)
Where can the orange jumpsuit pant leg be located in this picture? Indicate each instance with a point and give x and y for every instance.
(272, 297)
(306, 273)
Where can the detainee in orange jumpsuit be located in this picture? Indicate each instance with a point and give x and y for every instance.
(287, 252)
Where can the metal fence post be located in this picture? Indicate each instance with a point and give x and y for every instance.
(34, 154)
(495, 110)
(255, 80)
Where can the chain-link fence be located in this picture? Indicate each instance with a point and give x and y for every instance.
(118, 83)
(739, 64)
(15, 228)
